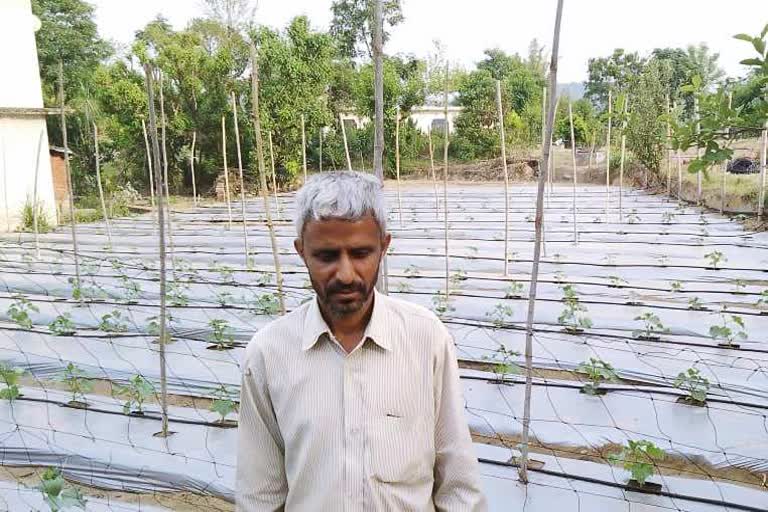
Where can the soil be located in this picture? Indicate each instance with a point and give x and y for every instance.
(484, 170)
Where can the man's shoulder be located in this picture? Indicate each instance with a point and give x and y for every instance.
(416, 317)
(279, 334)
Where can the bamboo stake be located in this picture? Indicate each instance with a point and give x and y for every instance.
(623, 156)
(274, 175)
(69, 181)
(537, 253)
(725, 165)
(679, 164)
(378, 96)
(192, 167)
(242, 180)
(304, 147)
(34, 195)
(169, 217)
(503, 141)
(445, 189)
(346, 146)
(321, 151)
(763, 172)
(608, 156)
(698, 151)
(100, 187)
(669, 152)
(227, 197)
(544, 133)
(397, 165)
(263, 177)
(5, 185)
(149, 165)
(573, 155)
(432, 168)
(161, 250)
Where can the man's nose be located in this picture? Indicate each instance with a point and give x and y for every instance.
(346, 271)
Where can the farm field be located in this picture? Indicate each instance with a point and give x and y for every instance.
(649, 292)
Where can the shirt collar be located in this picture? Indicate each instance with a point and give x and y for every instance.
(315, 325)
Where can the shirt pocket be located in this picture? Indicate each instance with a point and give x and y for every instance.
(401, 450)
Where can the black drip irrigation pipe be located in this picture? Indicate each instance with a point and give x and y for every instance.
(616, 485)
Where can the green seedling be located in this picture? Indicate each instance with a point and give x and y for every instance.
(668, 217)
(175, 293)
(610, 260)
(113, 322)
(676, 287)
(62, 325)
(472, 251)
(403, 287)
(19, 312)
(57, 494)
(739, 285)
(597, 371)
(503, 366)
(136, 392)
(634, 299)
(762, 301)
(76, 383)
(597, 220)
(558, 258)
(223, 298)
(617, 282)
(223, 403)
(652, 327)
(132, 289)
(265, 304)
(441, 304)
(559, 277)
(265, 279)
(640, 459)
(221, 334)
(633, 217)
(514, 290)
(412, 271)
(10, 377)
(499, 315)
(692, 382)
(731, 329)
(456, 279)
(715, 258)
(572, 318)
(695, 304)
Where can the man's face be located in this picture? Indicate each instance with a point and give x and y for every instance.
(343, 260)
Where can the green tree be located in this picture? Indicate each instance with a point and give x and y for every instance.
(351, 25)
(614, 72)
(646, 127)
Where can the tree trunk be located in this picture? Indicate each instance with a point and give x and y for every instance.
(346, 145)
(378, 90)
(242, 180)
(503, 142)
(445, 188)
(149, 165)
(608, 157)
(192, 168)
(575, 179)
(397, 165)
(304, 147)
(100, 187)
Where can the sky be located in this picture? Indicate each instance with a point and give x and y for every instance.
(590, 27)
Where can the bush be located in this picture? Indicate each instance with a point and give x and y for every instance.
(28, 222)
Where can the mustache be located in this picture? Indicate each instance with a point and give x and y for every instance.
(337, 287)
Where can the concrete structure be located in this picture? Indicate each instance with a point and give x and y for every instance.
(426, 117)
(23, 134)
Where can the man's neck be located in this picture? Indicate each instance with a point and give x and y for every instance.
(349, 329)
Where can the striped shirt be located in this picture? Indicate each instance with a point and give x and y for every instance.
(380, 428)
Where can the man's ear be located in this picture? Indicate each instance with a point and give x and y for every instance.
(385, 241)
(298, 244)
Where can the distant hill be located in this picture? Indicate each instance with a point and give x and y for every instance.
(574, 90)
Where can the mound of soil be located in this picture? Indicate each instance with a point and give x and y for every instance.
(484, 170)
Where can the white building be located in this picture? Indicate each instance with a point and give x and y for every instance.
(23, 134)
(425, 117)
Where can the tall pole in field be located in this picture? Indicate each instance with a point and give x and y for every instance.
(35, 209)
(274, 174)
(623, 156)
(432, 168)
(723, 184)
(537, 252)
(573, 156)
(192, 167)
(397, 165)
(99, 186)
(226, 170)
(669, 152)
(378, 89)
(346, 144)
(679, 164)
(320, 162)
(68, 171)
(163, 122)
(608, 156)
(698, 151)
(445, 187)
(242, 179)
(161, 248)
(304, 147)
(262, 175)
(503, 141)
(149, 165)
(763, 172)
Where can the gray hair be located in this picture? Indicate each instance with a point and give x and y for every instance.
(348, 195)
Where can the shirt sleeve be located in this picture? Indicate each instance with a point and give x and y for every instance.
(457, 481)
(261, 485)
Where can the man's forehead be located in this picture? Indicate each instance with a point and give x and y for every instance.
(337, 228)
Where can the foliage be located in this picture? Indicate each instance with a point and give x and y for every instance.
(572, 318)
(614, 72)
(62, 325)
(136, 392)
(113, 322)
(646, 128)
(10, 377)
(715, 258)
(27, 223)
(514, 290)
(652, 327)
(504, 368)
(77, 384)
(57, 494)
(694, 303)
(19, 311)
(266, 304)
(596, 371)
(500, 315)
(221, 333)
(352, 22)
(223, 402)
(639, 458)
(441, 304)
(694, 383)
(731, 329)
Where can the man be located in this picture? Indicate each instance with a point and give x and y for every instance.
(352, 401)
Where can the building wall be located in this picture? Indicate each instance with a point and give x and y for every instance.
(23, 139)
(60, 185)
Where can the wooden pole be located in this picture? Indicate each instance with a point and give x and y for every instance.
(149, 164)
(346, 146)
(623, 156)
(304, 147)
(321, 151)
(573, 156)
(445, 188)
(763, 172)
(192, 167)
(5, 186)
(698, 152)
(432, 168)
(263, 177)
(503, 143)
(544, 133)
(669, 152)
(537, 253)
(227, 197)
(679, 164)
(99, 185)
(378, 89)
(274, 175)
(34, 195)
(161, 251)
(165, 172)
(68, 171)
(608, 156)
(723, 184)
(397, 165)
(242, 179)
